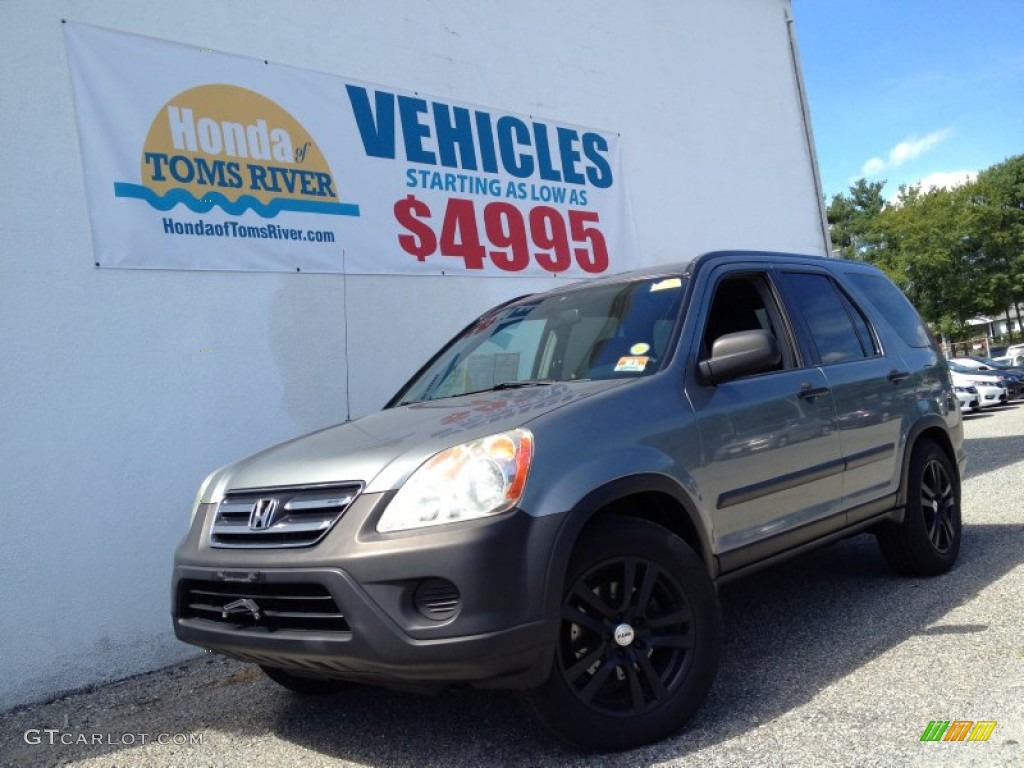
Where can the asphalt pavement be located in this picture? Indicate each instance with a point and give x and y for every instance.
(829, 660)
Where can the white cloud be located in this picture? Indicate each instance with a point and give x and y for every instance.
(904, 151)
(947, 179)
(908, 150)
(873, 167)
(937, 180)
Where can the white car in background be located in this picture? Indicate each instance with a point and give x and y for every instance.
(992, 390)
(1014, 350)
(969, 398)
(1013, 377)
(1015, 360)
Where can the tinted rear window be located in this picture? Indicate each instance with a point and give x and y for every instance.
(890, 303)
(839, 331)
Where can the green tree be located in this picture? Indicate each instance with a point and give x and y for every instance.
(999, 227)
(927, 245)
(852, 218)
(957, 253)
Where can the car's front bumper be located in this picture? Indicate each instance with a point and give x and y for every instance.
(458, 602)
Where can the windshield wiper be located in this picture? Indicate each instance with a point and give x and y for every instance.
(520, 384)
(508, 385)
(496, 388)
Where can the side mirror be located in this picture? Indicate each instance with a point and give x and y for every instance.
(740, 354)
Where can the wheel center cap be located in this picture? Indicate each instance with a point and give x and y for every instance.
(624, 634)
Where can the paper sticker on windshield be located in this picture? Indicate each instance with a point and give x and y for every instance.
(639, 349)
(667, 283)
(631, 364)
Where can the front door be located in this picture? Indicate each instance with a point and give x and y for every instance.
(772, 467)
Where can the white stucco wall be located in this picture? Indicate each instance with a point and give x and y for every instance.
(119, 390)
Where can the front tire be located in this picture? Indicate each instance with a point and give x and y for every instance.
(927, 542)
(639, 641)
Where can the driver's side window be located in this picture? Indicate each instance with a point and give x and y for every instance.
(744, 302)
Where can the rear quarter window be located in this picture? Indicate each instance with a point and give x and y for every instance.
(889, 302)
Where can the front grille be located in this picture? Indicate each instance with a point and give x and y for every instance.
(296, 606)
(280, 517)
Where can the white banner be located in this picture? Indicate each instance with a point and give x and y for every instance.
(200, 160)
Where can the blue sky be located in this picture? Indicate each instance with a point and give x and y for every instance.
(912, 90)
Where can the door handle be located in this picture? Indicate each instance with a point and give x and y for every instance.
(807, 392)
(896, 376)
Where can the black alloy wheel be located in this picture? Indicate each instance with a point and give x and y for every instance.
(639, 640)
(939, 506)
(927, 542)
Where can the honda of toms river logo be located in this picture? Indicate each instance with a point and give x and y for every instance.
(222, 146)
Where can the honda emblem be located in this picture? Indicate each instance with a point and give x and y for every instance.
(261, 516)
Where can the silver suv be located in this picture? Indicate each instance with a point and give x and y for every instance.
(551, 501)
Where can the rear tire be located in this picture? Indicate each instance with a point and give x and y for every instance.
(639, 641)
(306, 686)
(927, 542)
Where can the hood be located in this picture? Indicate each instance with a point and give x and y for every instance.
(383, 448)
(985, 377)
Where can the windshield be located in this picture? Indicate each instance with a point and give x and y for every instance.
(608, 331)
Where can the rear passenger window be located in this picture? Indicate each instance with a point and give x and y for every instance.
(838, 328)
(893, 306)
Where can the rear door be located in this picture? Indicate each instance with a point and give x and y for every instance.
(870, 387)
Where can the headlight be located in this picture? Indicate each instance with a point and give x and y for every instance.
(479, 478)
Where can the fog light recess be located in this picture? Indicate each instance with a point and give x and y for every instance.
(437, 599)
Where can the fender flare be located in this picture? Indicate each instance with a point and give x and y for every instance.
(932, 422)
(587, 508)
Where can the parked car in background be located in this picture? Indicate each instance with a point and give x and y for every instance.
(969, 398)
(1015, 351)
(1016, 361)
(1014, 376)
(991, 388)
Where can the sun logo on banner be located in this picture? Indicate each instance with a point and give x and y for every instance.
(223, 146)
